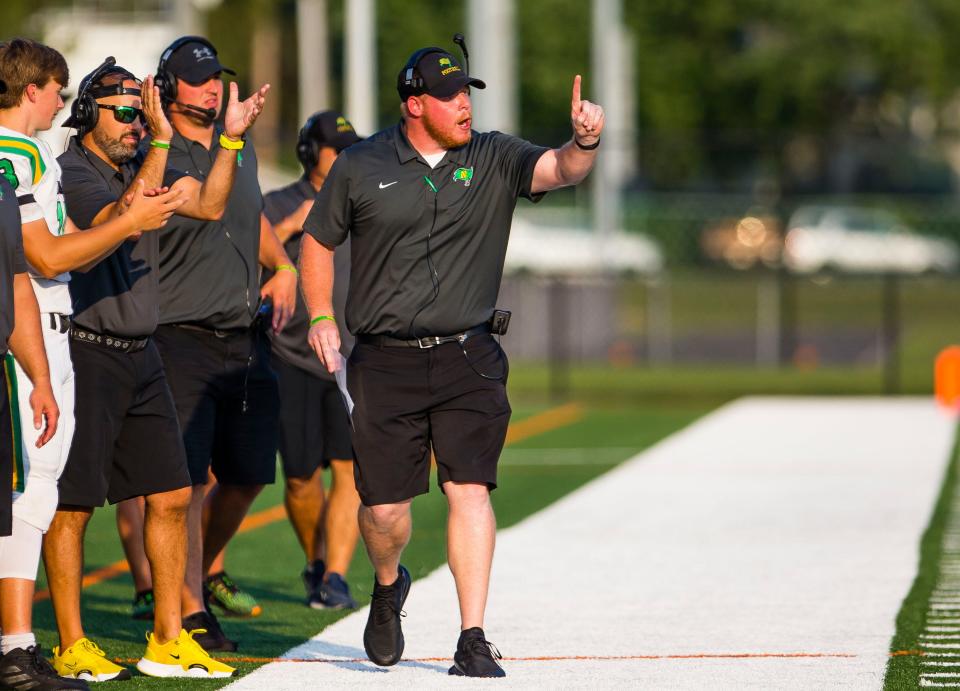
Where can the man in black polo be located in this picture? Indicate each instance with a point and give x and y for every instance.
(427, 205)
(314, 423)
(213, 347)
(128, 441)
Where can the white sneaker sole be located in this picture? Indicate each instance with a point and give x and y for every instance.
(157, 669)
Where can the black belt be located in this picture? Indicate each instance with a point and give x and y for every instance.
(59, 322)
(124, 345)
(219, 333)
(424, 341)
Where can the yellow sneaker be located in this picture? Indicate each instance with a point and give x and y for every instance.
(181, 657)
(86, 660)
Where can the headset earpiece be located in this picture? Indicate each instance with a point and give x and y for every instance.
(84, 110)
(308, 152)
(411, 76)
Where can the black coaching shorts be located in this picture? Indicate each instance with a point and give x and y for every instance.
(314, 425)
(408, 400)
(127, 439)
(227, 402)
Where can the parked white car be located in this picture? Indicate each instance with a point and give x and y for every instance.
(864, 240)
(543, 249)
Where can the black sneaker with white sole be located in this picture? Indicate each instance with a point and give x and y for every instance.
(476, 656)
(209, 634)
(383, 636)
(27, 668)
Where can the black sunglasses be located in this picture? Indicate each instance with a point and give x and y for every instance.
(125, 114)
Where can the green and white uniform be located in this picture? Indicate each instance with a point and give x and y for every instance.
(29, 166)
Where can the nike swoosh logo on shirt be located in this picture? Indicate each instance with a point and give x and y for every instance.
(383, 187)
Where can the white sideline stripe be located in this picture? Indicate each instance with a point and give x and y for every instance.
(773, 525)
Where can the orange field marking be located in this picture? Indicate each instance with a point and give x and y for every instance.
(544, 422)
(537, 424)
(549, 658)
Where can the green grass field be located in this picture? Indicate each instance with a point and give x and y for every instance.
(267, 561)
(903, 669)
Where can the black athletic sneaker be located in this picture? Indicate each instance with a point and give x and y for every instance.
(142, 607)
(383, 637)
(28, 669)
(476, 656)
(209, 634)
(334, 593)
(312, 578)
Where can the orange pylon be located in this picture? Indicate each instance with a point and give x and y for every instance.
(946, 377)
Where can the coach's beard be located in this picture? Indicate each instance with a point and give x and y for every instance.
(116, 150)
(446, 139)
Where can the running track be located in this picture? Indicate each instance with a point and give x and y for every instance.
(769, 545)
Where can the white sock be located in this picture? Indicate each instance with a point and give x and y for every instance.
(20, 551)
(10, 641)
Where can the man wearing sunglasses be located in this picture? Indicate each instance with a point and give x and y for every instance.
(128, 441)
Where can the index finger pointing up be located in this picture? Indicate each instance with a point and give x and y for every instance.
(575, 101)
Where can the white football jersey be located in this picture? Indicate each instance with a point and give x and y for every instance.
(29, 166)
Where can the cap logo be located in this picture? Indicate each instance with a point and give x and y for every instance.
(203, 53)
(447, 66)
(464, 175)
(343, 125)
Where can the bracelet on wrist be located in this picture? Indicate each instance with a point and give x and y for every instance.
(157, 144)
(231, 144)
(322, 317)
(287, 267)
(586, 147)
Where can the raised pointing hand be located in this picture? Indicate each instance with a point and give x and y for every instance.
(587, 118)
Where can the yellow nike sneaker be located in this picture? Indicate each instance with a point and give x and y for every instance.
(181, 657)
(86, 660)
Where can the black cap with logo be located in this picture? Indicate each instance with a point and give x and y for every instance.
(195, 62)
(435, 72)
(330, 128)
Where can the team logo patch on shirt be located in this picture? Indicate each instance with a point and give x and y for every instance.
(464, 175)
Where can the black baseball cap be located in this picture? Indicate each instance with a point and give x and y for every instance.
(331, 128)
(435, 72)
(195, 61)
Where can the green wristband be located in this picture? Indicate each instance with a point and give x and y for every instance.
(159, 145)
(287, 267)
(321, 318)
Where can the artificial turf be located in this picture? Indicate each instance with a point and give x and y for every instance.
(903, 668)
(535, 472)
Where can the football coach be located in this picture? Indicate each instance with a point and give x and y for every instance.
(427, 205)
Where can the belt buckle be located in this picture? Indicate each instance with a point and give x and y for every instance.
(428, 342)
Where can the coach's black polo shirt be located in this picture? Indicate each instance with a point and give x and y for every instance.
(209, 270)
(12, 260)
(120, 294)
(380, 192)
(291, 344)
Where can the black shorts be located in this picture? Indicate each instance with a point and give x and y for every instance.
(314, 425)
(227, 402)
(9, 447)
(127, 439)
(408, 400)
